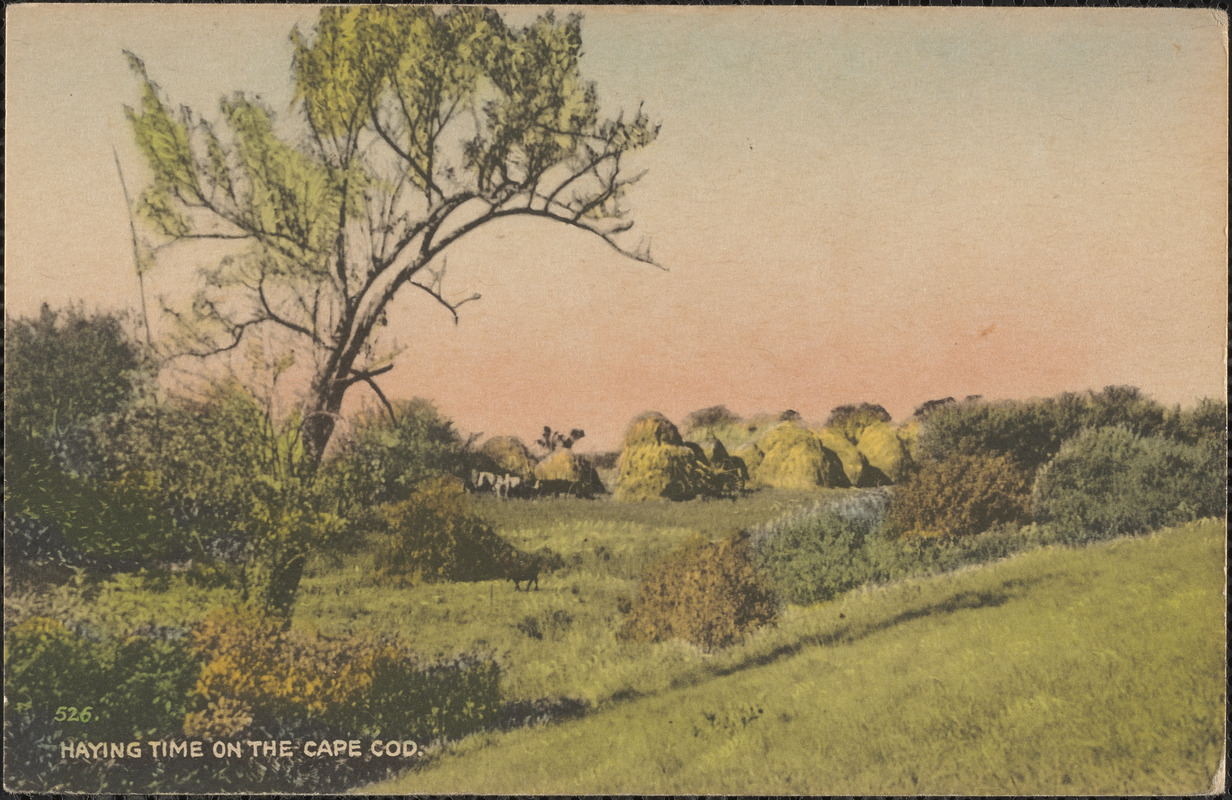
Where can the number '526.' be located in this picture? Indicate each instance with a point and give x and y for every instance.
(71, 714)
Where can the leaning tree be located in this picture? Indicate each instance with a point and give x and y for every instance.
(416, 128)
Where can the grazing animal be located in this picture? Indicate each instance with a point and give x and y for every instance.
(482, 481)
(505, 483)
(522, 569)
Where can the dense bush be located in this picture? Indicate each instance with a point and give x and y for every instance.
(135, 689)
(67, 366)
(1110, 481)
(65, 371)
(960, 496)
(257, 676)
(823, 551)
(1032, 431)
(381, 460)
(704, 593)
(434, 535)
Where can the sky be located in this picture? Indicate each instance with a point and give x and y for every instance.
(882, 205)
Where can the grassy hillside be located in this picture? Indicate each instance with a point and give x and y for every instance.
(1096, 670)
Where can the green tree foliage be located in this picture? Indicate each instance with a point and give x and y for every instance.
(850, 420)
(704, 593)
(704, 421)
(434, 535)
(1110, 481)
(1032, 431)
(960, 496)
(65, 367)
(418, 127)
(381, 460)
(67, 373)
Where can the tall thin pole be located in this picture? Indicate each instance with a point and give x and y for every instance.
(132, 229)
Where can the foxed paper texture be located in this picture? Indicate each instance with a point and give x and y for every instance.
(618, 400)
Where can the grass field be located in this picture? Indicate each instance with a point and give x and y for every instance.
(1088, 671)
(1096, 670)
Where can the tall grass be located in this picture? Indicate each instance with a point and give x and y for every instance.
(1088, 671)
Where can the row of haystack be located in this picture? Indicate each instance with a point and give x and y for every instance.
(507, 455)
(656, 463)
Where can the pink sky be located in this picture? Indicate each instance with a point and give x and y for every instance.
(883, 205)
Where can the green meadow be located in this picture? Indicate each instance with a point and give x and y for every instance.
(1096, 670)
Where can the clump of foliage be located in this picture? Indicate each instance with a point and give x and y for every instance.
(416, 127)
(705, 593)
(135, 689)
(1110, 481)
(794, 459)
(66, 372)
(65, 367)
(255, 675)
(705, 421)
(383, 458)
(850, 420)
(821, 552)
(656, 464)
(1032, 431)
(236, 480)
(434, 535)
(551, 440)
(961, 496)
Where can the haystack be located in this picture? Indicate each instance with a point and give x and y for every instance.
(564, 465)
(510, 456)
(752, 457)
(854, 465)
(655, 464)
(881, 447)
(730, 473)
(795, 459)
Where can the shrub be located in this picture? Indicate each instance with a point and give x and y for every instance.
(257, 675)
(1110, 481)
(67, 366)
(656, 464)
(704, 593)
(795, 459)
(435, 536)
(814, 555)
(960, 496)
(135, 689)
(1032, 431)
(887, 458)
(382, 460)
